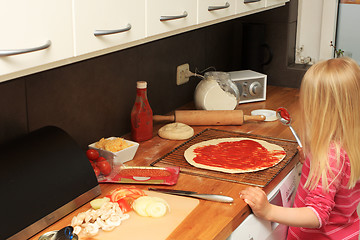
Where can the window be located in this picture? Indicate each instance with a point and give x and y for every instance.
(347, 34)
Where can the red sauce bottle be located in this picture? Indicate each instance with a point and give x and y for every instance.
(141, 115)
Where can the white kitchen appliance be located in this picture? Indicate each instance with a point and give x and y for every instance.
(251, 85)
(254, 228)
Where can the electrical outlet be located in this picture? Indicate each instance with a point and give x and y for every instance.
(182, 74)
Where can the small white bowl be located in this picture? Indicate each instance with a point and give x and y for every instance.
(269, 114)
(116, 158)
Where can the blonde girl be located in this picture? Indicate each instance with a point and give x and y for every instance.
(329, 190)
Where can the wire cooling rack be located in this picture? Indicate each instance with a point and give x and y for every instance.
(259, 178)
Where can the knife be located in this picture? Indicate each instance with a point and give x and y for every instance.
(211, 197)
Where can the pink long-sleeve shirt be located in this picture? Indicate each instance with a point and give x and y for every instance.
(335, 209)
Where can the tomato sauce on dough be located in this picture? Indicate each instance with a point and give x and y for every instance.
(244, 155)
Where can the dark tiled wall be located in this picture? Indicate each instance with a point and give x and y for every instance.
(93, 98)
(280, 35)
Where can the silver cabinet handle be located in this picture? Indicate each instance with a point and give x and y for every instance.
(212, 8)
(250, 1)
(108, 32)
(26, 50)
(166, 18)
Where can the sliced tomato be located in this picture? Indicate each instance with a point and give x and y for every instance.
(125, 204)
(126, 192)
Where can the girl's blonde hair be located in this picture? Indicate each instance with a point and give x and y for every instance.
(330, 107)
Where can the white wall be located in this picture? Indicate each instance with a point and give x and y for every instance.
(309, 26)
(316, 28)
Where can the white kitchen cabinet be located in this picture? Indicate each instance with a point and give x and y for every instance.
(34, 33)
(249, 6)
(209, 10)
(41, 34)
(165, 16)
(101, 24)
(270, 3)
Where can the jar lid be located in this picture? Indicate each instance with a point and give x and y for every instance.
(269, 114)
(141, 84)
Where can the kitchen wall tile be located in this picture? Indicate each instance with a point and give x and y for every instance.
(89, 99)
(256, 50)
(290, 53)
(293, 11)
(275, 15)
(280, 36)
(276, 69)
(158, 63)
(222, 46)
(13, 119)
(282, 39)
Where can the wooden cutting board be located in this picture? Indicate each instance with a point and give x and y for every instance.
(140, 228)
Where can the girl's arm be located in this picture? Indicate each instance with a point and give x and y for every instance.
(296, 217)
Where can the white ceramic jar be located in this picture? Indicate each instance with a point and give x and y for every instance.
(216, 92)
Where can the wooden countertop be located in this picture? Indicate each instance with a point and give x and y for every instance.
(213, 220)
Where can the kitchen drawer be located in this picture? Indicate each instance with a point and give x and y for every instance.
(248, 6)
(101, 24)
(270, 3)
(165, 16)
(215, 9)
(40, 28)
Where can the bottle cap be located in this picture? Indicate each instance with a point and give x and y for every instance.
(141, 84)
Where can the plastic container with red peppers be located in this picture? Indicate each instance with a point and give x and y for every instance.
(144, 175)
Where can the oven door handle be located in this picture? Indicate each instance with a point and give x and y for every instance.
(273, 196)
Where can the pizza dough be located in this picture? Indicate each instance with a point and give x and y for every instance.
(227, 155)
(176, 131)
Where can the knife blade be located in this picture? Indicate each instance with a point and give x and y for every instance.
(211, 197)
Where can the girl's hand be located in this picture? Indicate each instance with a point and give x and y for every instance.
(297, 217)
(301, 155)
(257, 200)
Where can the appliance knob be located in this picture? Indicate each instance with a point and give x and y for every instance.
(255, 88)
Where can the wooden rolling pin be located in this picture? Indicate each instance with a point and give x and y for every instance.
(209, 117)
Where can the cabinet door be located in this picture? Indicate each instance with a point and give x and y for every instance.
(270, 3)
(101, 24)
(169, 15)
(244, 6)
(34, 33)
(215, 9)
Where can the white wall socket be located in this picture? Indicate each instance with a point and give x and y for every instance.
(182, 74)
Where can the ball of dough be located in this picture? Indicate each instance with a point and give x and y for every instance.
(176, 131)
